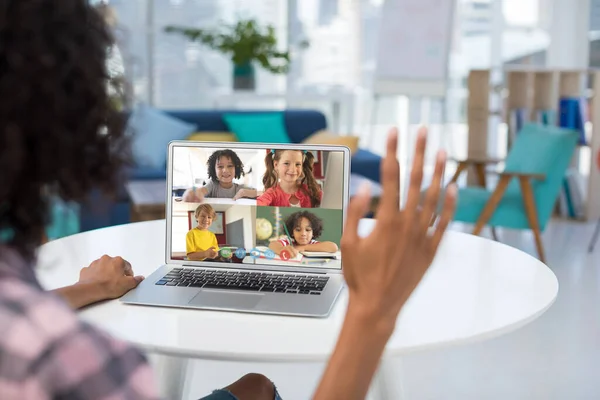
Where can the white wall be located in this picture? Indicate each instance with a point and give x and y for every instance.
(569, 47)
(248, 215)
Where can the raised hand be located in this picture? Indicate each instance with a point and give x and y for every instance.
(384, 268)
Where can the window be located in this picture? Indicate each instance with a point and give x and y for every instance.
(171, 72)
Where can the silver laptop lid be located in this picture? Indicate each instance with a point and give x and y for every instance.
(249, 231)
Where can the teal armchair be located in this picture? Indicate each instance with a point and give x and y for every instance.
(64, 219)
(527, 190)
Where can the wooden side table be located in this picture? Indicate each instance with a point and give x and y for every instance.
(147, 199)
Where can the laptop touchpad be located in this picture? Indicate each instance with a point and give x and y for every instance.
(229, 299)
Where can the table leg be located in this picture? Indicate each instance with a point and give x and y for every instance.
(387, 383)
(172, 374)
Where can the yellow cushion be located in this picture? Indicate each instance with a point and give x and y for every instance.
(213, 137)
(325, 137)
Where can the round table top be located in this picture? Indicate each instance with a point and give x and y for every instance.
(475, 289)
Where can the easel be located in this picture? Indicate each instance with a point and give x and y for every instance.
(413, 57)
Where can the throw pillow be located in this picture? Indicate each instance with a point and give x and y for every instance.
(259, 127)
(151, 131)
(324, 137)
(213, 137)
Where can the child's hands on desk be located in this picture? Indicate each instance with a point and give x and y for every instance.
(291, 251)
(244, 193)
(193, 195)
(211, 253)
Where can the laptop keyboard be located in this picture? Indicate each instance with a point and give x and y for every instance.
(245, 280)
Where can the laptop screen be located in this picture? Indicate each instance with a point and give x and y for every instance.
(256, 206)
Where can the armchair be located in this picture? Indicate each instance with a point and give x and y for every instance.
(527, 188)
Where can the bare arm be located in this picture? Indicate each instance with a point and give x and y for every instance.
(276, 246)
(379, 283)
(203, 255)
(355, 358)
(246, 193)
(81, 294)
(196, 195)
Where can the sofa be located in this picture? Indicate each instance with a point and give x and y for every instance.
(100, 212)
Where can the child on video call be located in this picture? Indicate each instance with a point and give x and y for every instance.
(289, 180)
(200, 243)
(223, 167)
(305, 227)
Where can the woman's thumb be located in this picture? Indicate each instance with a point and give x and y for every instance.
(133, 281)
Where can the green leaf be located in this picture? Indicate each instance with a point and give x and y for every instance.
(244, 42)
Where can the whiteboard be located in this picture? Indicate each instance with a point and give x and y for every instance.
(414, 47)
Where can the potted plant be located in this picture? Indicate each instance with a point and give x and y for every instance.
(246, 43)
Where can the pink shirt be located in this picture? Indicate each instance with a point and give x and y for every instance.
(47, 352)
(276, 197)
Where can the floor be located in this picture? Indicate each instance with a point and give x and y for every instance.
(554, 357)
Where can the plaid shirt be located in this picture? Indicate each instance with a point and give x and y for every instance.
(46, 352)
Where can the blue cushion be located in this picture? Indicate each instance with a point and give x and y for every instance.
(152, 131)
(299, 123)
(366, 164)
(265, 128)
(147, 173)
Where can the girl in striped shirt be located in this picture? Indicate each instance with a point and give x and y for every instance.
(305, 227)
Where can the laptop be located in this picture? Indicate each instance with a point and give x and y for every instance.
(246, 271)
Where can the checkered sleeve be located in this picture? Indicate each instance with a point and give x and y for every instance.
(46, 352)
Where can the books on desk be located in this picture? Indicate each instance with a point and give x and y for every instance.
(278, 260)
(322, 254)
(312, 259)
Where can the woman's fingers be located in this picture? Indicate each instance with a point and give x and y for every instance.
(356, 210)
(433, 193)
(445, 216)
(416, 174)
(390, 176)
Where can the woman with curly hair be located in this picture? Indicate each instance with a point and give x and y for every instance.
(60, 136)
(305, 228)
(223, 167)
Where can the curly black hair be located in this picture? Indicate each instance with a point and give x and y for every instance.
(59, 133)
(294, 219)
(214, 157)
